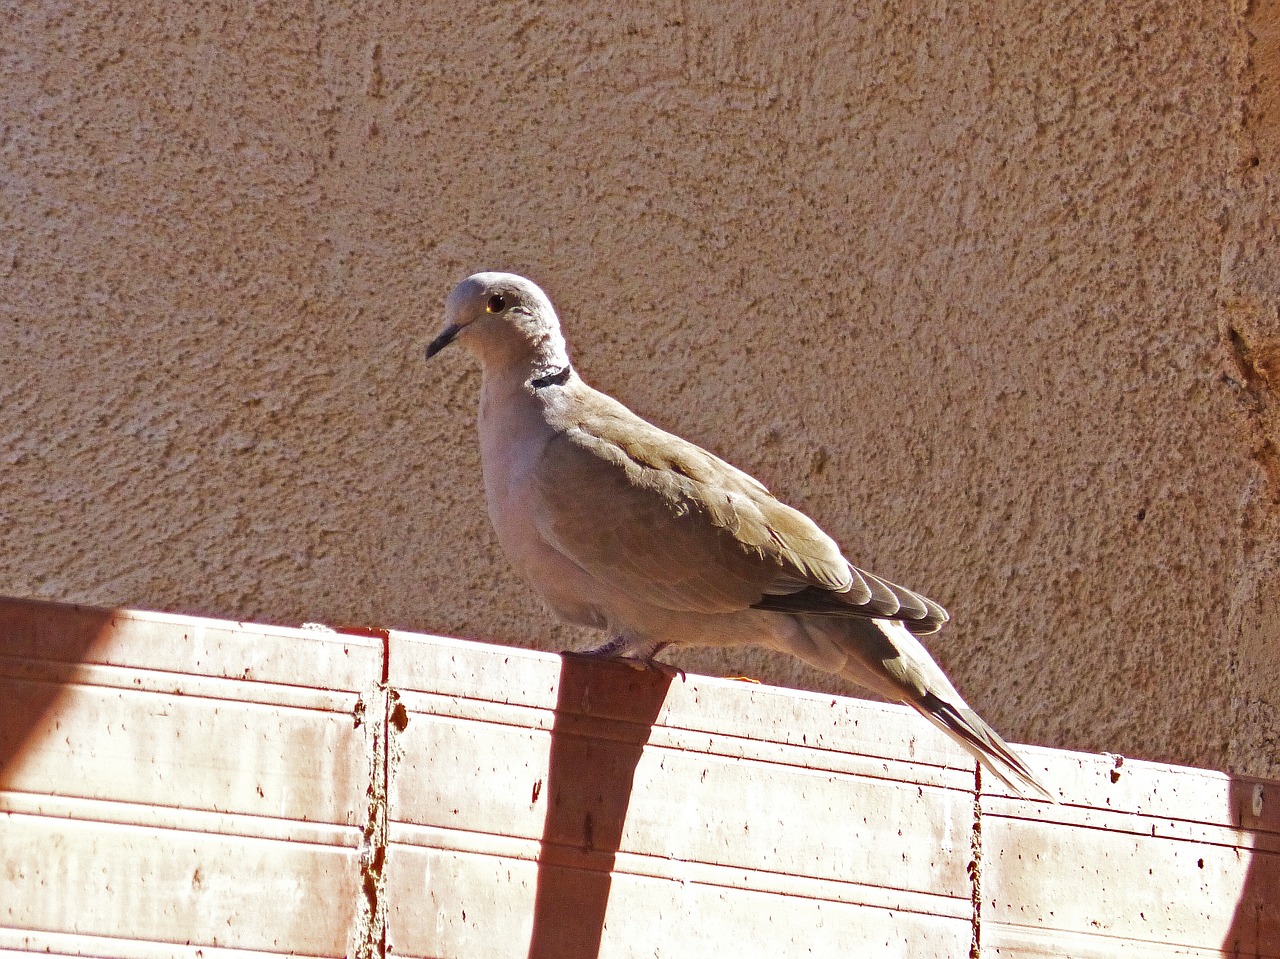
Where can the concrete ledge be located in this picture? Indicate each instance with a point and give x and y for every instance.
(169, 784)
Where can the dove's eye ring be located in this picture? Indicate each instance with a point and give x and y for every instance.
(495, 304)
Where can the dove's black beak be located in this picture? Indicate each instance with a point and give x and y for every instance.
(443, 340)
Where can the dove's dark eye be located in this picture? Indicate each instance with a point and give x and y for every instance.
(495, 304)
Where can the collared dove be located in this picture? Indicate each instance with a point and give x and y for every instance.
(623, 527)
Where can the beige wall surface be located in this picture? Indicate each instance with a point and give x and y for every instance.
(989, 288)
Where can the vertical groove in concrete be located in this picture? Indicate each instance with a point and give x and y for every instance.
(975, 865)
(369, 938)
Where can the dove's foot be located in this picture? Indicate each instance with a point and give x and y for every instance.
(614, 650)
(655, 666)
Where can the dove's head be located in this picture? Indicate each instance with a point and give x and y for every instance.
(506, 321)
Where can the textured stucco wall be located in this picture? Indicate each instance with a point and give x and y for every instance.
(989, 289)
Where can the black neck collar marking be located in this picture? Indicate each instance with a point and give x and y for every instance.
(555, 378)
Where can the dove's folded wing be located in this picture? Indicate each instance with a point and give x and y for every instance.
(664, 521)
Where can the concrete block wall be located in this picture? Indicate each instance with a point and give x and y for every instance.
(180, 786)
(171, 781)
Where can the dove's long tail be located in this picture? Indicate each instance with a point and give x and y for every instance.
(885, 657)
(972, 732)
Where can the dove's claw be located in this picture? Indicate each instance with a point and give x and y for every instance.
(657, 666)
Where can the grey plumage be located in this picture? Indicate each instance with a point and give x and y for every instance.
(624, 527)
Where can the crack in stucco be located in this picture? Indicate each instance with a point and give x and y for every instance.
(1254, 369)
(1249, 343)
(1249, 316)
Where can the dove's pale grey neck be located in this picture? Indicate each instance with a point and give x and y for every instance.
(550, 356)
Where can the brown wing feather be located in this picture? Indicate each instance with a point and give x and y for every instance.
(918, 613)
(668, 522)
(664, 520)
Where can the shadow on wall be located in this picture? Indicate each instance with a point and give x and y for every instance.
(589, 781)
(1255, 927)
(41, 646)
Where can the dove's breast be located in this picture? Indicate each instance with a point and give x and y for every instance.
(513, 435)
